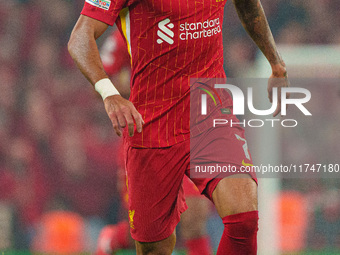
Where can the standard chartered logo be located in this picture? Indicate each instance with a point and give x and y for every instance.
(187, 31)
(199, 30)
(164, 32)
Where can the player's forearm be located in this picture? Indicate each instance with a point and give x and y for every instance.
(255, 23)
(84, 51)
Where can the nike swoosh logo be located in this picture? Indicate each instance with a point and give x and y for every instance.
(246, 164)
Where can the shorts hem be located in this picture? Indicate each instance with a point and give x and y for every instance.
(162, 236)
(211, 185)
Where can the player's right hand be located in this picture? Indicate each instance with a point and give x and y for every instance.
(123, 113)
(278, 79)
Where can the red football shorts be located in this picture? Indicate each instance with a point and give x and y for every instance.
(190, 189)
(155, 179)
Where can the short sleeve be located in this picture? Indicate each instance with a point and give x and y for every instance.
(104, 10)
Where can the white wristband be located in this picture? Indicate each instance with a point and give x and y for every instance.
(105, 88)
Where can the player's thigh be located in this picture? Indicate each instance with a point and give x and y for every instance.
(218, 153)
(193, 220)
(225, 150)
(163, 247)
(235, 194)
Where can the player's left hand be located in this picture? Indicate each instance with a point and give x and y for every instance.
(278, 79)
(123, 113)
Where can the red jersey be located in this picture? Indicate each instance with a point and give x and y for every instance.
(169, 41)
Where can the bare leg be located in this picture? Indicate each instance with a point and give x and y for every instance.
(235, 195)
(236, 202)
(193, 226)
(163, 247)
(193, 220)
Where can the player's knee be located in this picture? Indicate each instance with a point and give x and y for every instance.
(247, 224)
(193, 230)
(193, 220)
(164, 247)
(152, 249)
(155, 251)
(235, 195)
(192, 227)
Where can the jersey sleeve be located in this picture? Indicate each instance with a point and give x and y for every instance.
(104, 10)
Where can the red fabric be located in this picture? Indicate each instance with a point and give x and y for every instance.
(216, 146)
(114, 54)
(156, 197)
(240, 234)
(161, 70)
(199, 246)
(190, 189)
(99, 13)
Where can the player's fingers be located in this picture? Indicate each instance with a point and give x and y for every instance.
(270, 97)
(139, 120)
(278, 109)
(286, 105)
(130, 123)
(284, 84)
(115, 124)
(121, 119)
(270, 92)
(279, 95)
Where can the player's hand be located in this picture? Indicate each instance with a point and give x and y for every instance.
(123, 113)
(277, 80)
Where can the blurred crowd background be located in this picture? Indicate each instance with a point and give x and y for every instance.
(57, 148)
